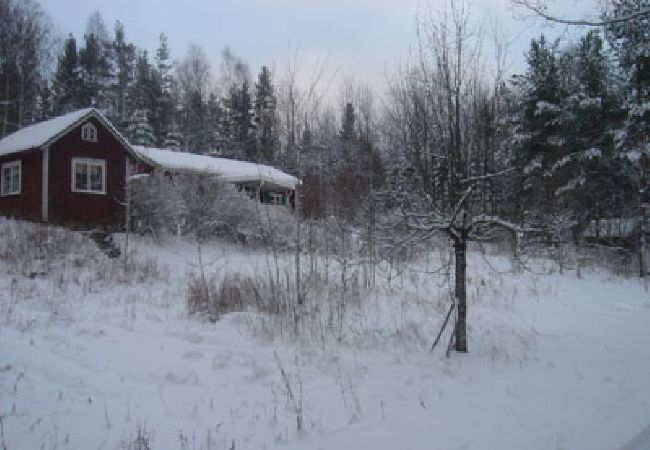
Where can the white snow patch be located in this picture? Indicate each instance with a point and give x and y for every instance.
(550, 364)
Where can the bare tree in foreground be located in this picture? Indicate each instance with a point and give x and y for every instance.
(441, 124)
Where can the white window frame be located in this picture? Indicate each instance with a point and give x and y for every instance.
(89, 132)
(88, 162)
(11, 165)
(276, 198)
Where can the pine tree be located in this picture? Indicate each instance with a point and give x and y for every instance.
(266, 120)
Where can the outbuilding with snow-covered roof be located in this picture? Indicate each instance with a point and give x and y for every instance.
(268, 183)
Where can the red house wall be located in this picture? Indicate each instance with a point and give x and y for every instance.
(27, 204)
(76, 208)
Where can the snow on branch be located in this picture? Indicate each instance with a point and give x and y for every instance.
(541, 9)
(484, 219)
(486, 176)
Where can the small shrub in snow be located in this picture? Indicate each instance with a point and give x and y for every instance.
(138, 270)
(274, 226)
(204, 205)
(325, 305)
(155, 205)
(141, 441)
(33, 250)
(69, 258)
(212, 298)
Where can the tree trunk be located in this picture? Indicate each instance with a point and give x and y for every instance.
(460, 251)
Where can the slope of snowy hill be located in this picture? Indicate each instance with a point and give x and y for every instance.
(91, 357)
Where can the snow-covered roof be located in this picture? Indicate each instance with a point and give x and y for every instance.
(230, 169)
(46, 132)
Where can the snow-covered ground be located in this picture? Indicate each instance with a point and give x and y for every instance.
(88, 358)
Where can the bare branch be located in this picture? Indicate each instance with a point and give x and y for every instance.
(540, 9)
(496, 221)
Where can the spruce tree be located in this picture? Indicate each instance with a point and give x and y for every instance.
(124, 58)
(348, 132)
(266, 120)
(631, 43)
(215, 139)
(95, 66)
(165, 80)
(540, 144)
(348, 153)
(630, 40)
(194, 122)
(140, 131)
(67, 81)
(44, 104)
(145, 91)
(173, 139)
(25, 47)
(589, 173)
(240, 122)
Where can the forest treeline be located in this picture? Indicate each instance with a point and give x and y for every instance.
(554, 147)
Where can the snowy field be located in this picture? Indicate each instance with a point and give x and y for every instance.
(91, 358)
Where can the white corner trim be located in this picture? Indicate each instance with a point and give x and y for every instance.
(45, 184)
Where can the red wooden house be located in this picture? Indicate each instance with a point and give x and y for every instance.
(67, 170)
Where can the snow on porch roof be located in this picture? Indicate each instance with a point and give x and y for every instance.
(43, 133)
(230, 169)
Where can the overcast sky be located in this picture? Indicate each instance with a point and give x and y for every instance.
(361, 38)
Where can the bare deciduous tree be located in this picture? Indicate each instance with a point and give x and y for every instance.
(433, 119)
